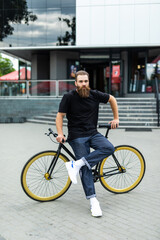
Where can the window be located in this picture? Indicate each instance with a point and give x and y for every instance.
(37, 23)
(137, 82)
(73, 67)
(153, 69)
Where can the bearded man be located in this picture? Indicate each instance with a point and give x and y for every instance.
(81, 108)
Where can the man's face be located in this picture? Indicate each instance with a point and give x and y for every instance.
(82, 85)
(82, 81)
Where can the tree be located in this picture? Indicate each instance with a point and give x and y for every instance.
(6, 66)
(64, 40)
(19, 12)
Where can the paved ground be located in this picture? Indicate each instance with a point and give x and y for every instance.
(135, 215)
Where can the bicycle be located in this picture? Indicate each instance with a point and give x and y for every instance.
(44, 176)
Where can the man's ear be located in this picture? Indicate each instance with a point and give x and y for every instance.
(75, 83)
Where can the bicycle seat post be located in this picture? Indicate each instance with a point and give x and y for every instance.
(108, 126)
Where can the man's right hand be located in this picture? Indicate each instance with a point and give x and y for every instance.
(60, 138)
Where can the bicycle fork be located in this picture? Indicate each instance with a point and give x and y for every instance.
(120, 168)
(53, 164)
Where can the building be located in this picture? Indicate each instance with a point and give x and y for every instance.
(117, 42)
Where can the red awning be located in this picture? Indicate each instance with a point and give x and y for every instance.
(15, 75)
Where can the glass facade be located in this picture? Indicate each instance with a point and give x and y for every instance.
(37, 23)
(153, 69)
(144, 66)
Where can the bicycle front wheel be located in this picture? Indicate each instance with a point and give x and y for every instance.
(121, 181)
(35, 180)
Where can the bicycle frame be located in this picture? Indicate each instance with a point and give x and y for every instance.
(95, 171)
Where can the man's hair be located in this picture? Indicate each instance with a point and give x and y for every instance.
(81, 72)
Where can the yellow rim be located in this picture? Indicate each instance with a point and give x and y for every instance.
(25, 183)
(138, 179)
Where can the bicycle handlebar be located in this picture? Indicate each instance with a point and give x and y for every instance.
(51, 132)
(54, 134)
(108, 126)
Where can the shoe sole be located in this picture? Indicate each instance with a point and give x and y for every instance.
(96, 215)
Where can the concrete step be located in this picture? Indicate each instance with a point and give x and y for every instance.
(134, 103)
(122, 125)
(121, 114)
(108, 118)
(121, 111)
(32, 120)
(130, 114)
(135, 99)
(133, 112)
(133, 123)
(125, 107)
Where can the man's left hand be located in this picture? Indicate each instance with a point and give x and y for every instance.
(114, 123)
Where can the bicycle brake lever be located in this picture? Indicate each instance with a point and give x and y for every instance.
(47, 134)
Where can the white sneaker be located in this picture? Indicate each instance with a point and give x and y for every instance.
(73, 171)
(96, 210)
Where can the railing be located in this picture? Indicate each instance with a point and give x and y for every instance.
(157, 99)
(35, 88)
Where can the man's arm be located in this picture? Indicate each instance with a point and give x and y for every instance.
(59, 126)
(113, 103)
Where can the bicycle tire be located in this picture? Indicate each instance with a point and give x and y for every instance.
(133, 163)
(35, 183)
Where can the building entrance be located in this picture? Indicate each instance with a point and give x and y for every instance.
(97, 75)
(105, 77)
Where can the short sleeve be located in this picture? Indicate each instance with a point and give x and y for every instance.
(64, 104)
(103, 97)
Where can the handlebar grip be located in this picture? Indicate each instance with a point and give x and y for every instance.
(105, 126)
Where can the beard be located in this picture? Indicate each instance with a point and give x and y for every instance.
(83, 91)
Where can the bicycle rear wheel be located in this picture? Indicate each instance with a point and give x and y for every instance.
(133, 164)
(36, 182)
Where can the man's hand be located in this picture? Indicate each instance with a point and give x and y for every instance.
(114, 123)
(60, 138)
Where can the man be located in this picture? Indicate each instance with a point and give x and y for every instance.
(81, 109)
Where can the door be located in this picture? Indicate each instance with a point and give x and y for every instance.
(114, 72)
(97, 75)
(106, 77)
